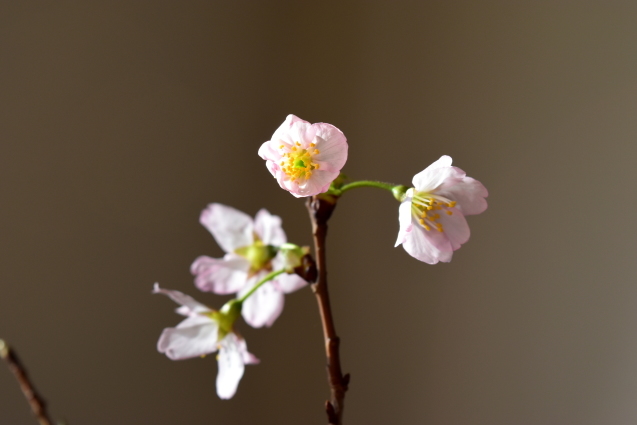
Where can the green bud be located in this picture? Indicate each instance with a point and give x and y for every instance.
(293, 256)
(399, 192)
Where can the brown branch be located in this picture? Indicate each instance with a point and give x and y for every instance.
(38, 406)
(320, 209)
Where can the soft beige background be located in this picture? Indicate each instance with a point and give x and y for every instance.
(121, 120)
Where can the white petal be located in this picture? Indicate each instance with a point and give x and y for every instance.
(188, 342)
(404, 220)
(221, 276)
(230, 227)
(269, 229)
(455, 227)
(190, 306)
(231, 366)
(424, 245)
(332, 146)
(434, 175)
(264, 306)
(290, 282)
(288, 132)
(319, 182)
(467, 192)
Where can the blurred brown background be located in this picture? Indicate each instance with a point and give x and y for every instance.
(121, 120)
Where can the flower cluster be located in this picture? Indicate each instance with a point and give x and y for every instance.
(254, 248)
(258, 265)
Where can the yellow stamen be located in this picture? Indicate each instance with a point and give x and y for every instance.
(449, 212)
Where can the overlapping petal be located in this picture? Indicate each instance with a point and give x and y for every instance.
(264, 306)
(220, 275)
(230, 227)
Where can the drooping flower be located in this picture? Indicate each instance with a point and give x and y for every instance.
(432, 213)
(252, 251)
(204, 331)
(305, 158)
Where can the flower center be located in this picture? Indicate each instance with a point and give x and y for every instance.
(296, 162)
(258, 254)
(427, 207)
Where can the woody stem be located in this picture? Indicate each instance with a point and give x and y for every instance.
(320, 210)
(38, 406)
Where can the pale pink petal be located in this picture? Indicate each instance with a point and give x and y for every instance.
(456, 228)
(434, 175)
(273, 168)
(467, 192)
(194, 319)
(422, 245)
(264, 306)
(221, 276)
(289, 283)
(288, 132)
(318, 183)
(188, 342)
(332, 146)
(404, 219)
(231, 366)
(267, 151)
(269, 229)
(231, 228)
(189, 305)
(303, 132)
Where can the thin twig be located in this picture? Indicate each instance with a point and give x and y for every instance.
(38, 406)
(320, 210)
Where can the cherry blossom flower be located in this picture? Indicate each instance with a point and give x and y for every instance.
(204, 331)
(432, 213)
(252, 252)
(305, 158)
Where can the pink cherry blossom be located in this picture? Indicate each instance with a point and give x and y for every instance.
(432, 214)
(204, 331)
(305, 158)
(251, 253)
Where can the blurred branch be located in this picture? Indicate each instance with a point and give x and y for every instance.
(38, 406)
(320, 210)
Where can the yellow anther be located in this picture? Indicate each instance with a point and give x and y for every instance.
(427, 228)
(297, 143)
(312, 144)
(449, 212)
(430, 207)
(282, 162)
(316, 166)
(281, 147)
(293, 148)
(316, 151)
(452, 204)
